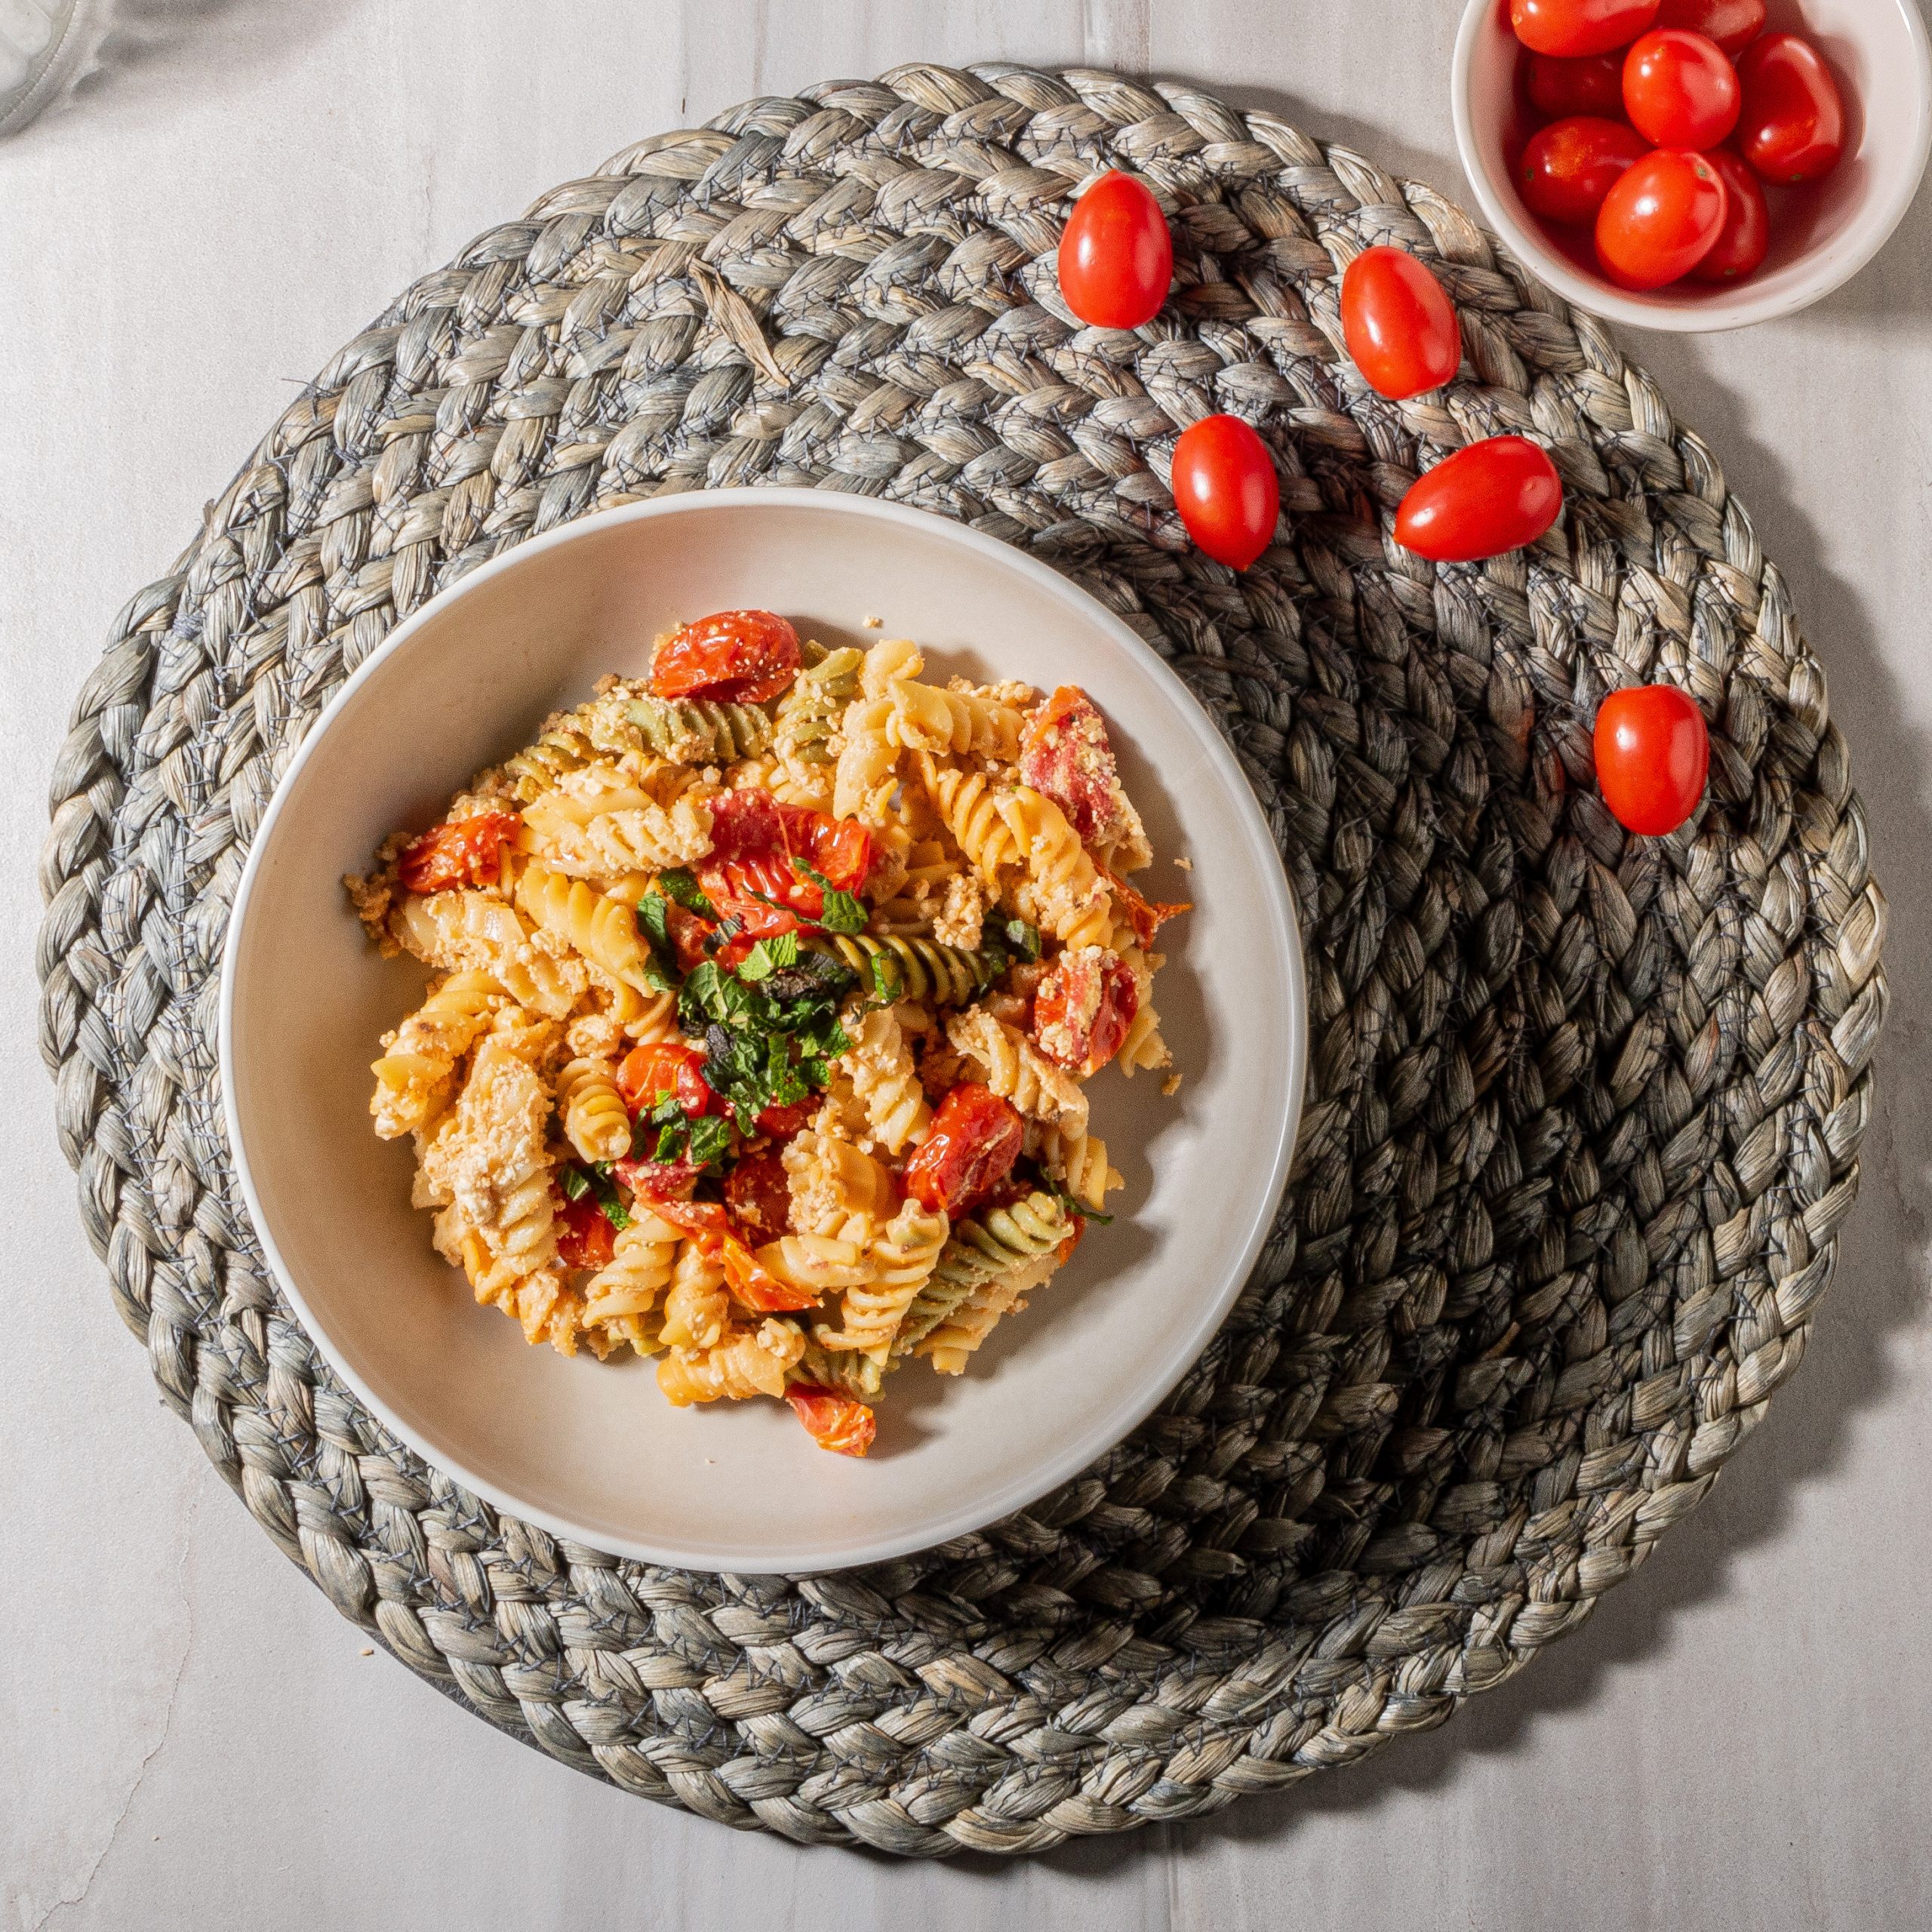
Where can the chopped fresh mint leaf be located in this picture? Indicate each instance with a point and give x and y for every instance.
(887, 978)
(653, 923)
(574, 1182)
(842, 913)
(681, 883)
(1071, 1206)
(768, 956)
(1024, 940)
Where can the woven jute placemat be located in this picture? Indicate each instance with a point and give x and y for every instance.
(1583, 1111)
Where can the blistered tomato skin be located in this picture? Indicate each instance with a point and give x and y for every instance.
(1495, 495)
(758, 1193)
(1399, 324)
(1661, 220)
(1591, 85)
(1653, 756)
(974, 1139)
(665, 1067)
(1746, 237)
(836, 1421)
(1116, 256)
(1792, 128)
(1569, 167)
(1679, 89)
(1732, 24)
(1572, 28)
(731, 657)
(467, 851)
(1224, 486)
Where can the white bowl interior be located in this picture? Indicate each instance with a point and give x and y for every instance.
(1822, 234)
(593, 1451)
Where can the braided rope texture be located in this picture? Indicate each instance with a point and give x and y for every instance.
(1583, 1111)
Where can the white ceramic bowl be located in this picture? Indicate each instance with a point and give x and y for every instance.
(1822, 234)
(593, 1451)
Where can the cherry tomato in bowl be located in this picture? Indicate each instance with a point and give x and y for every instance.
(1745, 237)
(1224, 488)
(731, 657)
(1680, 90)
(1791, 127)
(1569, 167)
(1399, 325)
(1732, 24)
(1653, 755)
(1494, 496)
(1573, 27)
(1593, 84)
(1116, 256)
(974, 1139)
(1662, 218)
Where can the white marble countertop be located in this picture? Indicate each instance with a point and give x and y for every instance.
(193, 1737)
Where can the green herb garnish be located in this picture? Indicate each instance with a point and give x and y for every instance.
(679, 883)
(842, 913)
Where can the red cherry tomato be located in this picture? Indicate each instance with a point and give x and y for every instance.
(1792, 126)
(665, 1067)
(781, 1123)
(1661, 220)
(1593, 86)
(1067, 755)
(1146, 916)
(732, 657)
(1116, 256)
(758, 1193)
(974, 1138)
(1575, 27)
(1745, 237)
(1732, 24)
(1225, 489)
(840, 1424)
(1653, 752)
(585, 1236)
(1399, 325)
(1570, 166)
(1495, 495)
(1083, 1009)
(465, 851)
(1679, 90)
(754, 1286)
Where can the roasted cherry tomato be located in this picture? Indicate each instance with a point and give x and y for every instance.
(841, 848)
(1661, 220)
(1792, 126)
(1146, 916)
(755, 841)
(1732, 24)
(732, 657)
(1116, 256)
(660, 1185)
(1067, 756)
(840, 1424)
(1575, 27)
(703, 1220)
(665, 1067)
(1495, 495)
(1083, 1009)
(781, 1123)
(974, 1139)
(1399, 325)
(759, 1195)
(585, 1236)
(459, 852)
(754, 1286)
(1225, 489)
(1568, 167)
(1680, 90)
(1745, 237)
(1593, 86)
(1653, 753)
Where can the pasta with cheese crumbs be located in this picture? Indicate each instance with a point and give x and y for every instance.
(767, 988)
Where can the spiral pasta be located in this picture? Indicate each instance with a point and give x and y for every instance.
(969, 807)
(562, 748)
(696, 1309)
(805, 725)
(860, 1375)
(638, 834)
(637, 1272)
(911, 967)
(752, 1362)
(901, 1261)
(413, 1077)
(890, 658)
(596, 1119)
(603, 930)
(1079, 1162)
(925, 719)
(477, 931)
(1009, 1064)
(1067, 898)
(868, 770)
(984, 1249)
(697, 731)
(833, 1182)
(885, 1084)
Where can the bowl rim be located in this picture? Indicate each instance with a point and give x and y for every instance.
(1722, 312)
(1139, 1400)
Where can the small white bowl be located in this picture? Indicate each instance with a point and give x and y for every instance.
(592, 1451)
(1822, 234)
